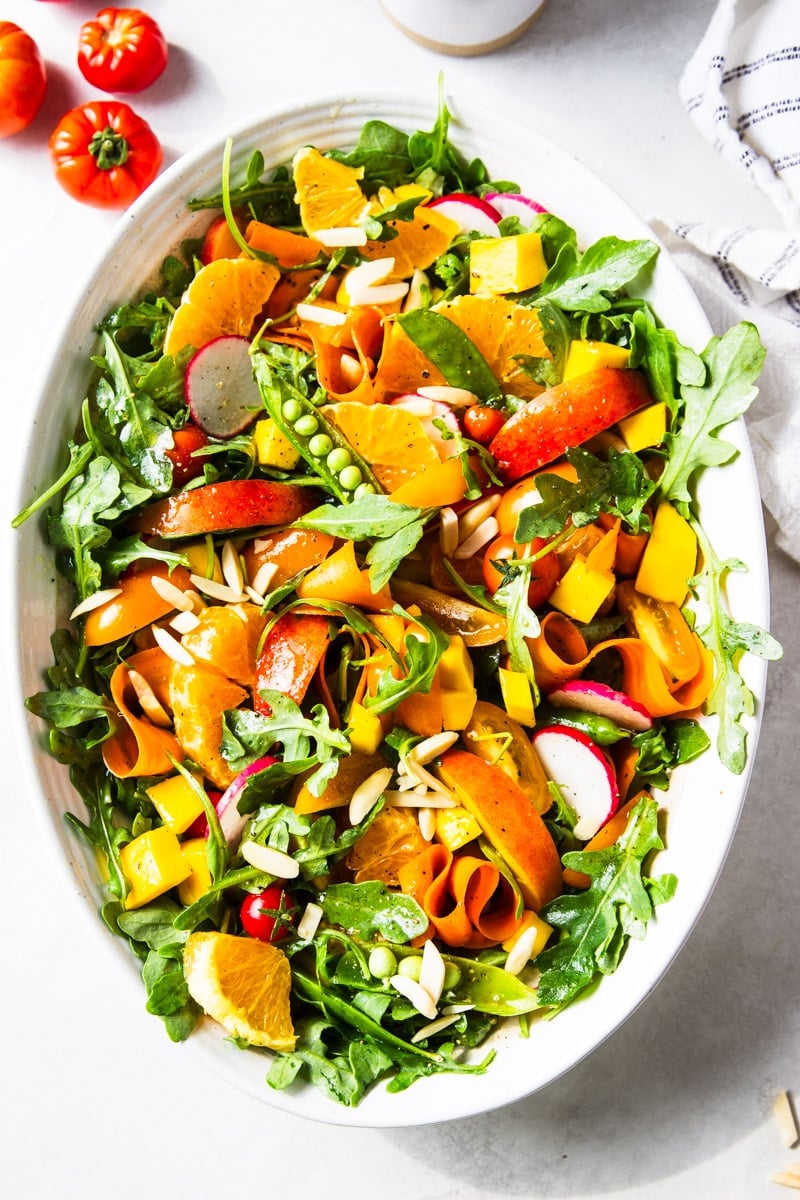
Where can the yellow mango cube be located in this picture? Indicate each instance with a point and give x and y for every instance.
(584, 355)
(645, 427)
(670, 557)
(152, 863)
(517, 697)
(273, 448)
(506, 264)
(366, 730)
(581, 590)
(456, 679)
(176, 802)
(198, 881)
(455, 827)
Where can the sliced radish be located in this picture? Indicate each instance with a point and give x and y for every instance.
(428, 412)
(222, 395)
(511, 204)
(604, 701)
(582, 772)
(471, 213)
(232, 822)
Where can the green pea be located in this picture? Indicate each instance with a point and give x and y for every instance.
(320, 445)
(338, 459)
(307, 425)
(350, 477)
(291, 410)
(364, 489)
(410, 966)
(382, 962)
(452, 977)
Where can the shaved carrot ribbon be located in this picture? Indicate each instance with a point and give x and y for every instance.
(560, 653)
(466, 899)
(138, 747)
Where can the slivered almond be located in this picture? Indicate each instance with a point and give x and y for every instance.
(217, 591)
(308, 924)
(319, 314)
(520, 953)
(232, 567)
(344, 235)
(184, 622)
(426, 819)
(414, 992)
(476, 514)
(96, 600)
(366, 794)
(415, 296)
(172, 647)
(269, 860)
(170, 593)
(785, 1115)
(423, 776)
(151, 705)
(448, 531)
(408, 799)
(426, 1031)
(454, 396)
(432, 971)
(351, 370)
(264, 577)
(429, 749)
(485, 532)
(368, 273)
(378, 293)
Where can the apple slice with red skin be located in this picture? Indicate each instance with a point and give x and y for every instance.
(583, 773)
(218, 507)
(604, 701)
(565, 416)
(290, 656)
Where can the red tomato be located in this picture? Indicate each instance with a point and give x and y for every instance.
(482, 423)
(121, 50)
(545, 572)
(104, 154)
(23, 80)
(267, 915)
(184, 466)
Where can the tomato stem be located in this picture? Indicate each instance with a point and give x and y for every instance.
(108, 149)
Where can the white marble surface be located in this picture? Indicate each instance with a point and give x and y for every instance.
(95, 1101)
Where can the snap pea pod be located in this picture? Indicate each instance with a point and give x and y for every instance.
(316, 439)
(602, 730)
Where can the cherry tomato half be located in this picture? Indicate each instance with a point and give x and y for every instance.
(545, 572)
(23, 79)
(482, 423)
(121, 50)
(104, 154)
(180, 454)
(267, 915)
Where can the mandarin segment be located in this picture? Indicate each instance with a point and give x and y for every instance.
(327, 192)
(391, 440)
(503, 332)
(199, 695)
(243, 984)
(225, 297)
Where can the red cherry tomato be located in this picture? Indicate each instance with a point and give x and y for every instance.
(121, 50)
(545, 572)
(104, 154)
(482, 423)
(184, 465)
(267, 915)
(23, 79)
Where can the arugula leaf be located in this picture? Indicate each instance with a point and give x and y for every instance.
(369, 909)
(597, 924)
(370, 516)
(665, 746)
(69, 707)
(420, 661)
(585, 282)
(382, 152)
(78, 528)
(732, 363)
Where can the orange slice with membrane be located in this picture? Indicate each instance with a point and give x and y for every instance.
(243, 984)
(327, 192)
(418, 244)
(501, 330)
(225, 297)
(392, 440)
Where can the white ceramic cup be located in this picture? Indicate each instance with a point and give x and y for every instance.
(463, 27)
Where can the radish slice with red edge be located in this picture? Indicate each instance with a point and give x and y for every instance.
(471, 213)
(231, 821)
(603, 701)
(583, 773)
(512, 204)
(220, 389)
(430, 411)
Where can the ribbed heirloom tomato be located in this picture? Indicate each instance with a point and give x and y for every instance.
(23, 80)
(122, 50)
(104, 154)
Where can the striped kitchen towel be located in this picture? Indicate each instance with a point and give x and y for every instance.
(742, 90)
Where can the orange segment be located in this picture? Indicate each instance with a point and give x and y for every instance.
(402, 366)
(327, 191)
(242, 983)
(418, 244)
(392, 440)
(501, 330)
(225, 297)
(199, 695)
(391, 841)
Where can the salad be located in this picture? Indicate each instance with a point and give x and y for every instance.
(393, 614)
